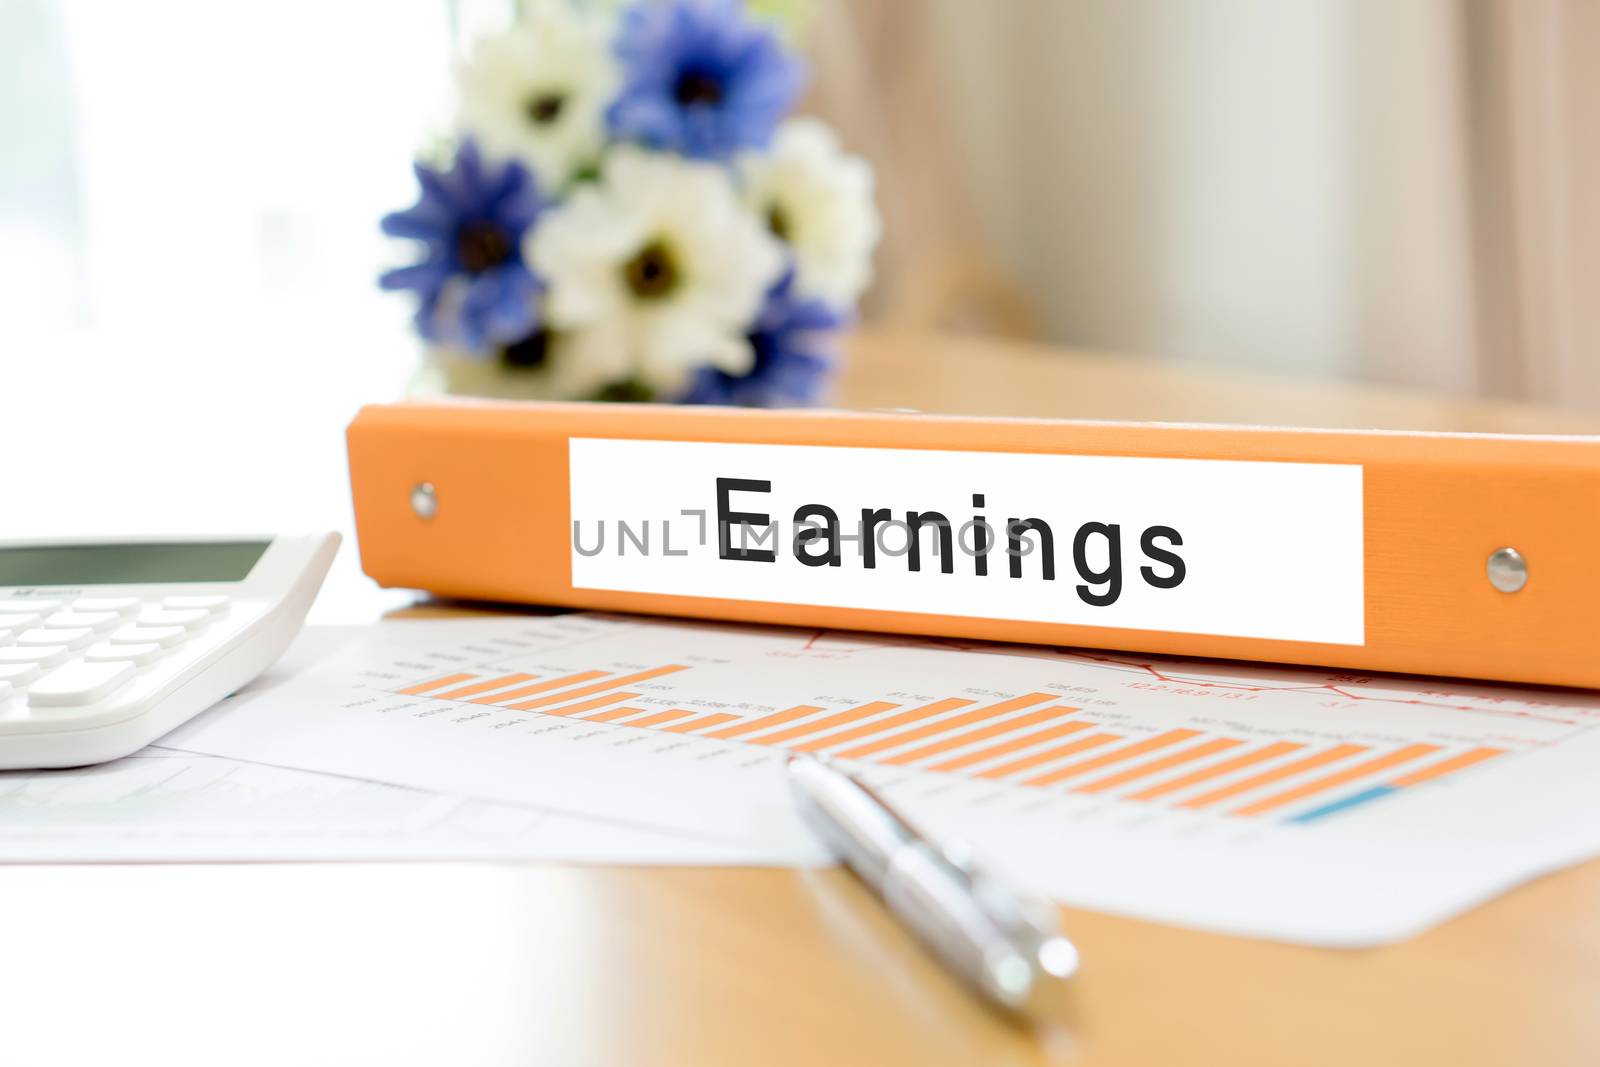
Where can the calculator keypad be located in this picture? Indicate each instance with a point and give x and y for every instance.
(72, 620)
(81, 682)
(40, 655)
(139, 654)
(64, 660)
(212, 605)
(18, 675)
(188, 620)
(165, 636)
(44, 636)
(30, 605)
(120, 605)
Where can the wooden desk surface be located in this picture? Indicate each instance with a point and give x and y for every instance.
(978, 376)
(488, 964)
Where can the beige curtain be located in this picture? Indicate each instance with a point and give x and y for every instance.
(1398, 192)
(883, 82)
(1534, 81)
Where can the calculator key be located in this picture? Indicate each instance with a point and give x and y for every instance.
(122, 605)
(18, 675)
(214, 605)
(72, 620)
(165, 636)
(138, 655)
(19, 620)
(29, 606)
(79, 683)
(34, 655)
(188, 620)
(70, 638)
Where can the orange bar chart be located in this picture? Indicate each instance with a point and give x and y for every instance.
(1034, 759)
(484, 687)
(1430, 773)
(1010, 745)
(1111, 781)
(955, 722)
(893, 722)
(703, 723)
(613, 714)
(610, 683)
(541, 687)
(1299, 766)
(982, 733)
(1026, 740)
(593, 702)
(766, 722)
(1446, 766)
(848, 716)
(1217, 770)
(1094, 763)
(437, 683)
(661, 718)
(1337, 778)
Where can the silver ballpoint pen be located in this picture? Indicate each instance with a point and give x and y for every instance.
(1006, 945)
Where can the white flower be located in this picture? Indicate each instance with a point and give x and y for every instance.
(451, 371)
(538, 92)
(820, 201)
(653, 271)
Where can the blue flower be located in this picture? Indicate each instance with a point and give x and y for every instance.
(792, 339)
(473, 288)
(701, 79)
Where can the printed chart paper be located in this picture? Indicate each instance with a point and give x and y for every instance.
(1306, 806)
(161, 805)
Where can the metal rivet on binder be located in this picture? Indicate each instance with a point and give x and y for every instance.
(1508, 571)
(424, 501)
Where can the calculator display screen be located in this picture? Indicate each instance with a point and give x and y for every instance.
(210, 561)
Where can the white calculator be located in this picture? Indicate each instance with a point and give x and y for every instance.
(107, 645)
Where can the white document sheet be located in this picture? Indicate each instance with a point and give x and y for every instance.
(1316, 807)
(162, 805)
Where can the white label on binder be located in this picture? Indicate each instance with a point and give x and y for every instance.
(1223, 547)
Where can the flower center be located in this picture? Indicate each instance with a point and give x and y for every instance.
(543, 109)
(528, 353)
(697, 87)
(652, 273)
(481, 245)
(778, 222)
(627, 391)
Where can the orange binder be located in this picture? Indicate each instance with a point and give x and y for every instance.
(1466, 555)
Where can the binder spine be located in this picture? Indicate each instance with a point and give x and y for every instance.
(1462, 555)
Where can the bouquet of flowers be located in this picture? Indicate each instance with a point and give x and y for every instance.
(628, 212)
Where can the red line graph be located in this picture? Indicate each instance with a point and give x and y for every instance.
(1343, 690)
(1155, 670)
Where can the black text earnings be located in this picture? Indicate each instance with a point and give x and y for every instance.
(820, 541)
